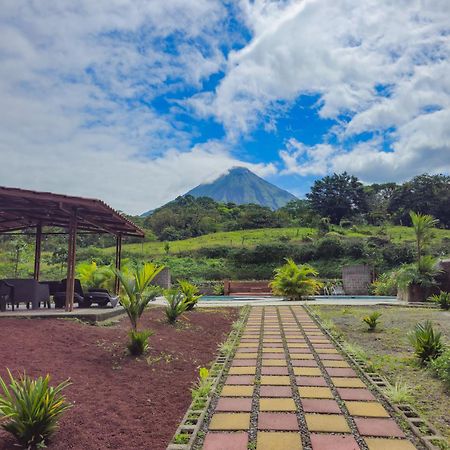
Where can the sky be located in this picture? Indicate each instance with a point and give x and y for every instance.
(138, 101)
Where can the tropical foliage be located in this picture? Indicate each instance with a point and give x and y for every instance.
(426, 341)
(92, 275)
(372, 320)
(176, 304)
(295, 281)
(441, 366)
(203, 385)
(30, 408)
(190, 293)
(442, 299)
(138, 343)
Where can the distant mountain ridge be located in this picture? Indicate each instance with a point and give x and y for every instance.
(241, 186)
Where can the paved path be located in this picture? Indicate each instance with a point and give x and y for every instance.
(288, 388)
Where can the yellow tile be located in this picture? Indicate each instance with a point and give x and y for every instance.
(297, 345)
(327, 423)
(389, 444)
(366, 409)
(277, 441)
(347, 382)
(275, 380)
(307, 371)
(277, 404)
(273, 350)
(331, 363)
(242, 371)
(246, 355)
(237, 391)
(274, 362)
(327, 351)
(315, 392)
(230, 421)
(301, 356)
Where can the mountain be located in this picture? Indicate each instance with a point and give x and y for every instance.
(242, 186)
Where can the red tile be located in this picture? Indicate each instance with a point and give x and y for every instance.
(226, 441)
(240, 379)
(355, 394)
(378, 427)
(333, 442)
(304, 363)
(244, 362)
(275, 391)
(234, 404)
(315, 405)
(341, 372)
(310, 381)
(274, 371)
(277, 421)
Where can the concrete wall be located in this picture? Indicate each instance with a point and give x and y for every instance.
(163, 279)
(443, 278)
(357, 279)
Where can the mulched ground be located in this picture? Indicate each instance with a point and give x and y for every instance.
(120, 402)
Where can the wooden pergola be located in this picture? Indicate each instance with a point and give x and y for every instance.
(22, 209)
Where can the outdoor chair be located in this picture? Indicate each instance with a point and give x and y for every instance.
(6, 295)
(29, 291)
(94, 295)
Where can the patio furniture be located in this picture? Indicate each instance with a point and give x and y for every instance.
(94, 295)
(29, 291)
(6, 295)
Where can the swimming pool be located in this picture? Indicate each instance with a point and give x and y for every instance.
(346, 298)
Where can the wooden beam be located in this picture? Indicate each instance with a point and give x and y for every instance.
(37, 252)
(118, 263)
(71, 258)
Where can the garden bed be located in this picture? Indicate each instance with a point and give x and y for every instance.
(391, 354)
(119, 401)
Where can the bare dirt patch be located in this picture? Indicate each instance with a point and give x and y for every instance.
(120, 402)
(391, 354)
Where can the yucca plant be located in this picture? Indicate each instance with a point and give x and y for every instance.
(138, 343)
(372, 320)
(294, 282)
(442, 299)
(176, 304)
(30, 408)
(203, 385)
(427, 343)
(190, 292)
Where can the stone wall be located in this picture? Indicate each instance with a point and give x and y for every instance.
(443, 278)
(356, 279)
(163, 279)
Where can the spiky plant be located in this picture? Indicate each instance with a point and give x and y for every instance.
(423, 225)
(295, 281)
(203, 384)
(92, 275)
(30, 408)
(372, 320)
(442, 299)
(190, 292)
(426, 341)
(176, 304)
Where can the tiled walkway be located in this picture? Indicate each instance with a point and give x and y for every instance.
(289, 388)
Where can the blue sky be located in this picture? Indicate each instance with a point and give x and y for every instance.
(138, 101)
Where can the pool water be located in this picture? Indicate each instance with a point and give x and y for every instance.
(218, 298)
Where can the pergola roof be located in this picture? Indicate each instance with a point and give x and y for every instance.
(21, 209)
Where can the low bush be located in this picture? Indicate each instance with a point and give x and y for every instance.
(329, 247)
(372, 320)
(138, 343)
(426, 341)
(203, 385)
(175, 304)
(190, 292)
(442, 299)
(441, 366)
(385, 284)
(30, 408)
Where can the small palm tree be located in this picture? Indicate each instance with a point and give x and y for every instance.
(294, 282)
(136, 285)
(423, 224)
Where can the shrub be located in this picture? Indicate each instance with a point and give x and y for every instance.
(441, 366)
(355, 248)
(175, 304)
(190, 292)
(442, 299)
(219, 289)
(372, 320)
(218, 251)
(30, 409)
(304, 253)
(138, 344)
(427, 343)
(294, 282)
(400, 392)
(329, 247)
(386, 284)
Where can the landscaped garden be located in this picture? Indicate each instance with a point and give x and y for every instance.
(118, 401)
(389, 351)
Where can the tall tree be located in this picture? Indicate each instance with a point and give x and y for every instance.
(425, 194)
(338, 196)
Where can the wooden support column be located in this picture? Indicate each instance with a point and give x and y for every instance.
(118, 263)
(71, 258)
(37, 252)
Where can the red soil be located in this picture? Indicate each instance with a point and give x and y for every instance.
(120, 402)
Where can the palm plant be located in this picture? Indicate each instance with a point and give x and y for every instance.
(426, 341)
(442, 299)
(190, 292)
(176, 304)
(137, 296)
(294, 282)
(94, 276)
(372, 320)
(30, 409)
(423, 225)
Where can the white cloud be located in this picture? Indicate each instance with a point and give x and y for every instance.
(383, 64)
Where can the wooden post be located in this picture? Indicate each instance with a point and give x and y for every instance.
(118, 262)
(37, 252)
(71, 257)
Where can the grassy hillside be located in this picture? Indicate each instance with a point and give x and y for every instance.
(249, 238)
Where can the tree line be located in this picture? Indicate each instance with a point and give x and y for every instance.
(339, 199)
